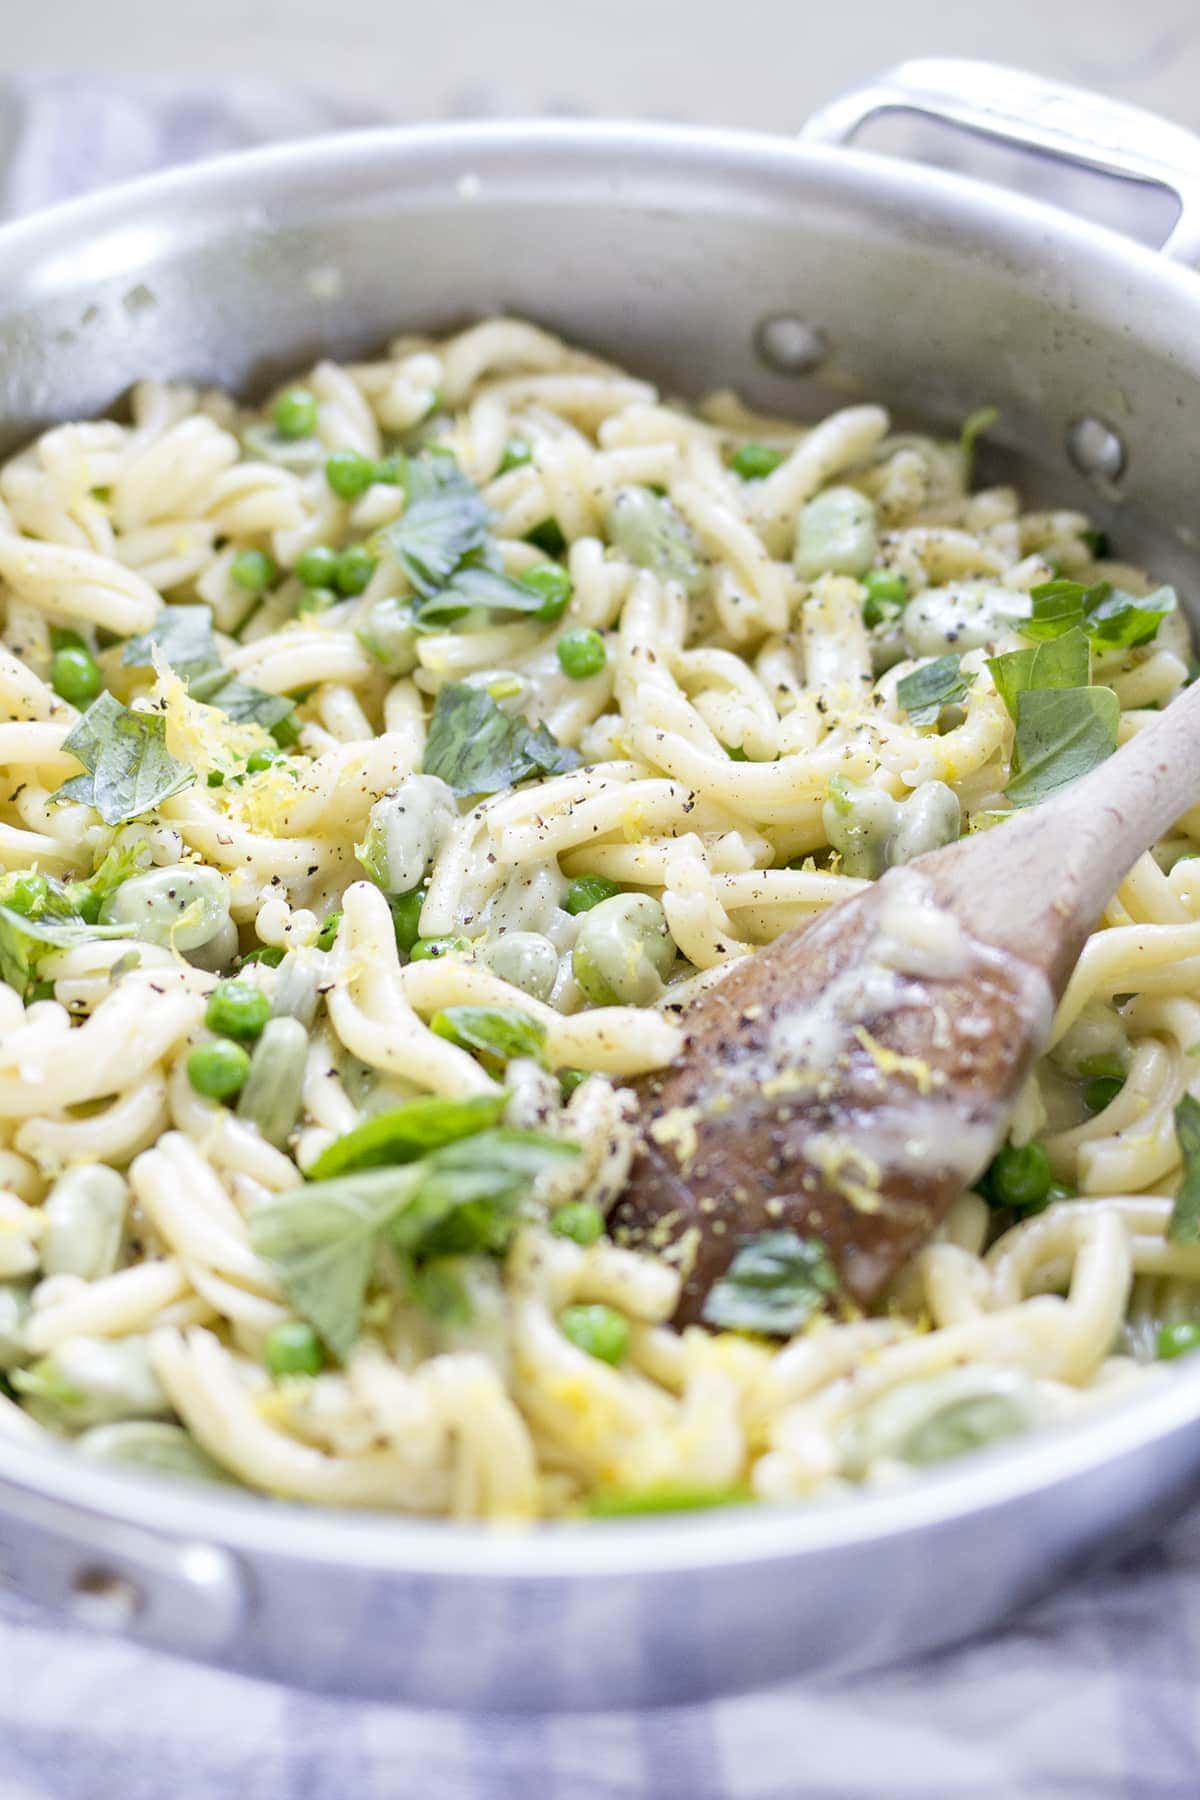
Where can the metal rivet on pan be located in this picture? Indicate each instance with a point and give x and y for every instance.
(1095, 448)
(104, 1600)
(789, 346)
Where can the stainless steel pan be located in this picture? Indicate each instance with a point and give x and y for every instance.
(796, 272)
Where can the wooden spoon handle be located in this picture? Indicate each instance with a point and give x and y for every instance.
(1037, 885)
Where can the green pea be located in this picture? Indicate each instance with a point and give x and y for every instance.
(581, 654)
(587, 891)
(1019, 1177)
(258, 760)
(406, 917)
(237, 1009)
(327, 936)
(645, 528)
(316, 600)
(218, 1070)
(428, 949)
(27, 894)
(1102, 1092)
(569, 1080)
(516, 454)
(388, 634)
(317, 566)
(349, 473)
(886, 595)
(293, 1348)
(580, 1221)
(753, 461)
(1177, 1339)
(553, 583)
(624, 952)
(835, 534)
(355, 567)
(598, 1330)
(294, 414)
(253, 570)
(527, 960)
(75, 675)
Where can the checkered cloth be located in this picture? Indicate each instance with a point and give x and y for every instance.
(1094, 1694)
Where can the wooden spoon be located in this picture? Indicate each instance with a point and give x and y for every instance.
(849, 1081)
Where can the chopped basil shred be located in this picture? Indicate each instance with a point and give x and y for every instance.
(774, 1284)
(497, 1033)
(927, 690)
(1184, 1226)
(476, 748)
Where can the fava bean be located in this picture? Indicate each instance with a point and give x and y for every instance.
(405, 830)
(183, 907)
(92, 1381)
(526, 959)
(274, 1090)
(647, 530)
(624, 951)
(835, 534)
(85, 1222)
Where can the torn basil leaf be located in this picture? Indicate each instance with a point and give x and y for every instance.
(444, 520)
(1055, 607)
(477, 590)
(774, 1284)
(496, 1033)
(974, 426)
(476, 748)
(129, 768)
(927, 690)
(1061, 734)
(321, 1239)
(1122, 621)
(1184, 1226)
(247, 705)
(1062, 662)
(407, 1132)
(629, 1503)
(181, 636)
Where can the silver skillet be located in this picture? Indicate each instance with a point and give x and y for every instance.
(797, 272)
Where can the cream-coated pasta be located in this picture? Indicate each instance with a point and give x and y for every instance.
(423, 778)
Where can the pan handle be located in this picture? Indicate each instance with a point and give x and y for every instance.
(1032, 113)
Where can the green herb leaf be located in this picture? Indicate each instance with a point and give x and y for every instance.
(476, 748)
(247, 705)
(439, 1289)
(497, 1033)
(182, 636)
(1055, 607)
(321, 1239)
(479, 590)
(1061, 662)
(1121, 621)
(774, 1284)
(23, 942)
(1061, 734)
(444, 520)
(129, 768)
(924, 693)
(628, 1503)
(407, 1132)
(1184, 1227)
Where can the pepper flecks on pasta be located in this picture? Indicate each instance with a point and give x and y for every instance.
(383, 770)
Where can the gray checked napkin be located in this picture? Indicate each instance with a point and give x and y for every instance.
(1095, 1694)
